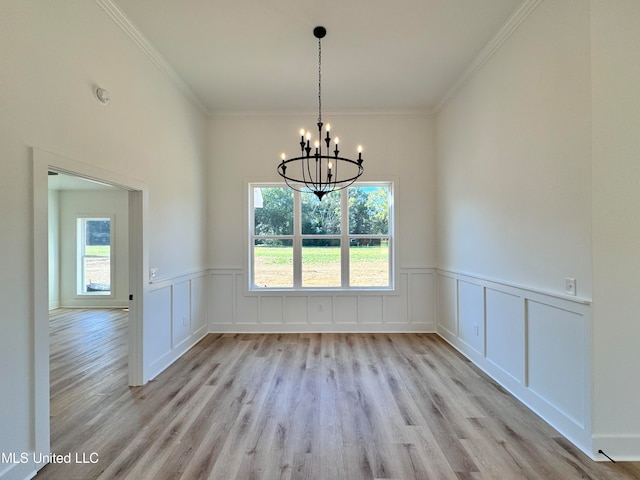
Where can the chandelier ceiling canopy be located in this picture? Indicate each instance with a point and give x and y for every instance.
(320, 168)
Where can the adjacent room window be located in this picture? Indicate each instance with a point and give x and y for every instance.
(342, 241)
(95, 265)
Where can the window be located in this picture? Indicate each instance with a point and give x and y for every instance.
(342, 241)
(94, 256)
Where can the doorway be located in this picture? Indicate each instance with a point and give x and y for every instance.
(43, 163)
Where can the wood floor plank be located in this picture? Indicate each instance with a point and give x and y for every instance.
(294, 406)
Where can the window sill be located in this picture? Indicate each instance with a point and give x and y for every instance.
(309, 291)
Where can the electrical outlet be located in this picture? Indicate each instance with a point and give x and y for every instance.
(570, 286)
(153, 274)
(476, 329)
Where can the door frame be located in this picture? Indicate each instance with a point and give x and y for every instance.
(44, 161)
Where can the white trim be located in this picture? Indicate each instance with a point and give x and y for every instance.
(417, 112)
(620, 447)
(141, 41)
(165, 281)
(492, 46)
(44, 161)
(300, 328)
(577, 430)
(297, 238)
(472, 277)
(410, 309)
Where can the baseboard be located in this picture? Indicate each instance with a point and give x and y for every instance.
(329, 328)
(620, 448)
(160, 365)
(18, 470)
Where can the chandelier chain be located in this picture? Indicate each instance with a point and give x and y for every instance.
(319, 81)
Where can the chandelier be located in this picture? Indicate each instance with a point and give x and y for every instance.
(320, 168)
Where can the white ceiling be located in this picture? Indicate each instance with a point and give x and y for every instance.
(261, 55)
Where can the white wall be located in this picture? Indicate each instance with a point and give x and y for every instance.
(247, 148)
(514, 216)
(514, 171)
(54, 248)
(616, 224)
(52, 54)
(99, 203)
(537, 176)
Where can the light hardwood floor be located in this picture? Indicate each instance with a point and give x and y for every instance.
(294, 406)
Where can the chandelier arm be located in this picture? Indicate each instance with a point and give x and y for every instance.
(306, 162)
(335, 172)
(315, 184)
(324, 157)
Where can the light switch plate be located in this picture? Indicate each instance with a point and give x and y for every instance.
(153, 273)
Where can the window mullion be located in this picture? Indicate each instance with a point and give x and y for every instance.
(297, 240)
(344, 238)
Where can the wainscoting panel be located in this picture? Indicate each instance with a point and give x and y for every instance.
(158, 320)
(505, 333)
(199, 304)
(176, 312)
(346, 310)
(447, 303)
(396, 307)
(557, 366)
(370, 310)
(272, 310)
(471, 316)
(296, 310)
(320, 310)
(421, 299)
(181, 312)
(535, 344)
(221, 298)
(246, 306)
(410, 308)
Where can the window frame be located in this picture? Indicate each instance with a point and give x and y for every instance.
(344, 236)
(81, 225)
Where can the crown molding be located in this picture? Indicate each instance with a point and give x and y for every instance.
(325, 114)
(141, 41)
(489, 50)
(138, 38)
